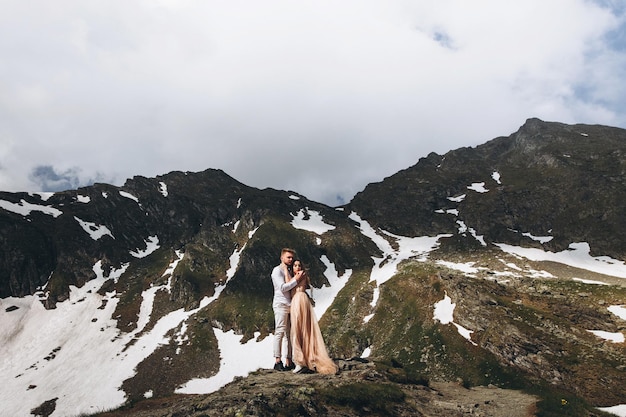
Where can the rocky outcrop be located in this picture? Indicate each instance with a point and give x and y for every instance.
(360, 388)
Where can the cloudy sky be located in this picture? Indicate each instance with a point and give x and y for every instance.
(318, 97)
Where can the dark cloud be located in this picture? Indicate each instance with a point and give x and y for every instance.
(49, 180)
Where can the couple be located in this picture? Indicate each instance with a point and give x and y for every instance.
(295, 320)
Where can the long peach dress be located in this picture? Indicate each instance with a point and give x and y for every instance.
(307, 342)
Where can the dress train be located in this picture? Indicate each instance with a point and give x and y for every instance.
(307, 342)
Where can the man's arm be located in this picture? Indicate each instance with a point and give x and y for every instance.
(278, 279)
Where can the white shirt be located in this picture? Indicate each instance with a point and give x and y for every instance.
(282, 289)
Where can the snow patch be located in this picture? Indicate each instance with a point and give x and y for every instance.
(95, 231)
(466, 267)
(310, 220)
(576, 256)
(236, 359)
(457, 199)
(129, 195)
(152, 244)
(479, 187)
(163, 189)
(618, 410)
(45, 196)
(589, 281)
(55, 350)
(324, 296)
(511, 265)
(540, 239)
(463, 229)
(170, 269)
(616, 337)
(444, 313)
(619, 311)
(25, 208)
(386, 266)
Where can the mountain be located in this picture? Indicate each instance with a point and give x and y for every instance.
(547, 179)
(499, 266)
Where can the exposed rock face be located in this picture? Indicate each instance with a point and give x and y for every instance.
(193, 212)
(545, 179)
(552, 180)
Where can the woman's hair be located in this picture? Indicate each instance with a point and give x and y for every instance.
(300, 262)
(303, 268)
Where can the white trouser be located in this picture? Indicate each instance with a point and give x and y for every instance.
(281, 330)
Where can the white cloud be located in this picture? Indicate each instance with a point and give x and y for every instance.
(317, 97)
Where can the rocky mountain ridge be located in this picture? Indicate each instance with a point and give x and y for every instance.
(452, 227)
(546, 179)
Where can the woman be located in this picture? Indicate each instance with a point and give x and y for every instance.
(307, 342)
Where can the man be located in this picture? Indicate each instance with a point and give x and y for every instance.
(281, 305)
